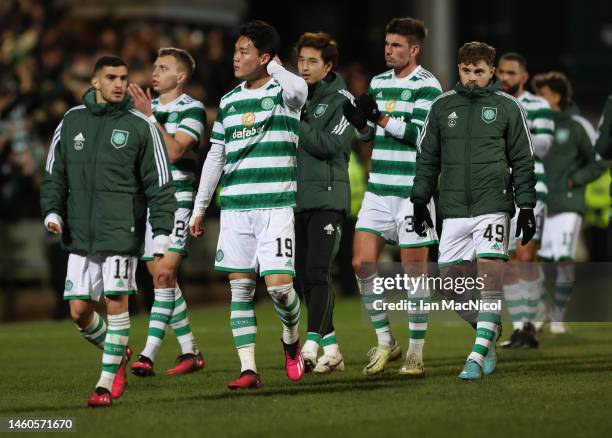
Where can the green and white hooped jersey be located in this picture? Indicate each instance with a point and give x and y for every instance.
(540, 121)
(409, 100)
(259, 133)
(187, 115)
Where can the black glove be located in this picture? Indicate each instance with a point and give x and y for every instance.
(422, 219)
(525, 224)
(355, 116)
(369, 107)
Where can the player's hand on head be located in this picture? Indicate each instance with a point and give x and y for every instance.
(525, 225)
(196, 226)
(355, 117)
(142, 100)
(422, 219)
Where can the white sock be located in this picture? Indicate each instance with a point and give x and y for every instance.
(311, 346)
(247, 358)
(416, 347)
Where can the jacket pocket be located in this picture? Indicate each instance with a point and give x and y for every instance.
(116, 208)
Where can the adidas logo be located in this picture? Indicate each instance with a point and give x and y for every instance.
(329, 229)
(79, 137)
(231, 109)
(120, 283)
(496, 246)
(289, 263)
(453, 115)
(379, 95)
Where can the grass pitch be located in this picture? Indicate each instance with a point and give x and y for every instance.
(562, 389)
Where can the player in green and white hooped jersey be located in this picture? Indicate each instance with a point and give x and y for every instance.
(254, 144)
(181, 120)
(396, 107)
(524, 282)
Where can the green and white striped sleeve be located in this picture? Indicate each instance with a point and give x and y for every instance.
(193, 120)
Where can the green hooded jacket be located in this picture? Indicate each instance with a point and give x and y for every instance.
(324, 149)
(471, 139)
(106, 164)
(571, 157)
(604, 141)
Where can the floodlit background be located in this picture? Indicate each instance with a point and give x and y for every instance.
(48, 48)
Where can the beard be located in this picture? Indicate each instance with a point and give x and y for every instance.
(511, 89)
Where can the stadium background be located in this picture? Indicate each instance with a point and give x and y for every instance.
(48, 49)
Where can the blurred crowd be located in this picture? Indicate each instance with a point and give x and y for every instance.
(46, 59)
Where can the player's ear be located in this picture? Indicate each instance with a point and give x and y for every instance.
(182, 77)
(327, 67)
(94, 82)
(416, 49)
(265, 58)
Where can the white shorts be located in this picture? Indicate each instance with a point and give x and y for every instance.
(540, 217)
(464, 239)
(390, 217)
(252, 240)
(88, 276)
(560, 237)
(178, 238)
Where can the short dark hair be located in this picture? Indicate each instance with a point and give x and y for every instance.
(321, 41)
(108, 61)
(514, 56)
(265, 38)
(182, 56)
(475, 51)
(558, 83)
(414, 30)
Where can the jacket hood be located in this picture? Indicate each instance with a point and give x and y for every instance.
(571, 110)
(475, 92)
(89, 99)
(328, 85)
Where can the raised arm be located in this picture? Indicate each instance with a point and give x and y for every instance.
(295, 89)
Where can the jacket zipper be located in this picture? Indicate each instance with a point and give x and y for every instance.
(329, 176)
(468, 147)
(92, 227)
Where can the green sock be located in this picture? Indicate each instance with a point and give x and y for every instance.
(180, 324)
(161, 311)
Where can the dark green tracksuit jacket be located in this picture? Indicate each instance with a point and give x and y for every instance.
(471, 139)
(324, 149)
(572, 156)
(106, 164)
(604, 141)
